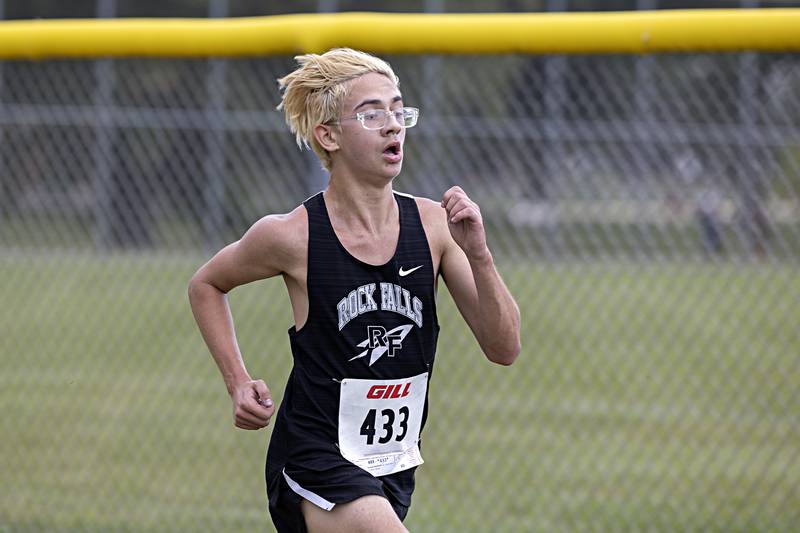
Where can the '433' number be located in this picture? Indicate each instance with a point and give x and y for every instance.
(387, 425)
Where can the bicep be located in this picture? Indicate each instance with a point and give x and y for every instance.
(257, 255)
(453, 265)
(457, 275)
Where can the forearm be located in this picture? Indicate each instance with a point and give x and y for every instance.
(498, 318)
(213, 316)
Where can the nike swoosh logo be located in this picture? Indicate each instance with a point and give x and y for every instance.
(409, 271)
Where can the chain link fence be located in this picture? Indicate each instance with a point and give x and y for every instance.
(645, 212)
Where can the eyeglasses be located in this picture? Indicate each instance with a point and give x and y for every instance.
(375, 119)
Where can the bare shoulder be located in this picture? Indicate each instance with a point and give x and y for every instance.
(434, 220)
(275, 244)
(432, 213)
(284, 237)
(290, 225)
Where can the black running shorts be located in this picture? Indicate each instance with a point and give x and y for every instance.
(340, 484)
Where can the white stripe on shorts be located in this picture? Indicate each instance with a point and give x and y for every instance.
(316, 499)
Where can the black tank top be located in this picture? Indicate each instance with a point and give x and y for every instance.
(364, 322)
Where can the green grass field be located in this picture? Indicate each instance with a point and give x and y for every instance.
(647, 398)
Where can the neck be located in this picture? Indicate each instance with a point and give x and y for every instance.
(360, 205)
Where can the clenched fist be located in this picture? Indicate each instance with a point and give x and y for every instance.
(252, 405)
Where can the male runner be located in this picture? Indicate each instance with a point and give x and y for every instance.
(361, 264)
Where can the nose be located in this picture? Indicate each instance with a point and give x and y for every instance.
(392, 125)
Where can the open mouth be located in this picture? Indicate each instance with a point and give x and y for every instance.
(393, 153)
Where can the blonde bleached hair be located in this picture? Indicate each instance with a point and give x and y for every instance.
(313, 93)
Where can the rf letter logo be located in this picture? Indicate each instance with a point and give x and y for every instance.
(378, 338)
(379, 342)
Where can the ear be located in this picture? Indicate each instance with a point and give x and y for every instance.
(327, 136)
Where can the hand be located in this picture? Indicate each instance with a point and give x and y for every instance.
(465, 223)
(252, 405)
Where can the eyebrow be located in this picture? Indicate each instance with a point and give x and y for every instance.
(375, 101)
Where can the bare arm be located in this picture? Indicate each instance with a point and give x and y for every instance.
(261, 253)
(478, 290)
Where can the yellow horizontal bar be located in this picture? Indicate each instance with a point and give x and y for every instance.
(718, 30)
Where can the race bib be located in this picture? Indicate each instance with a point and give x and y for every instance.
(379, 423)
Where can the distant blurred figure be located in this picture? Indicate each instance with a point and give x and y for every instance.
(708, 204)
